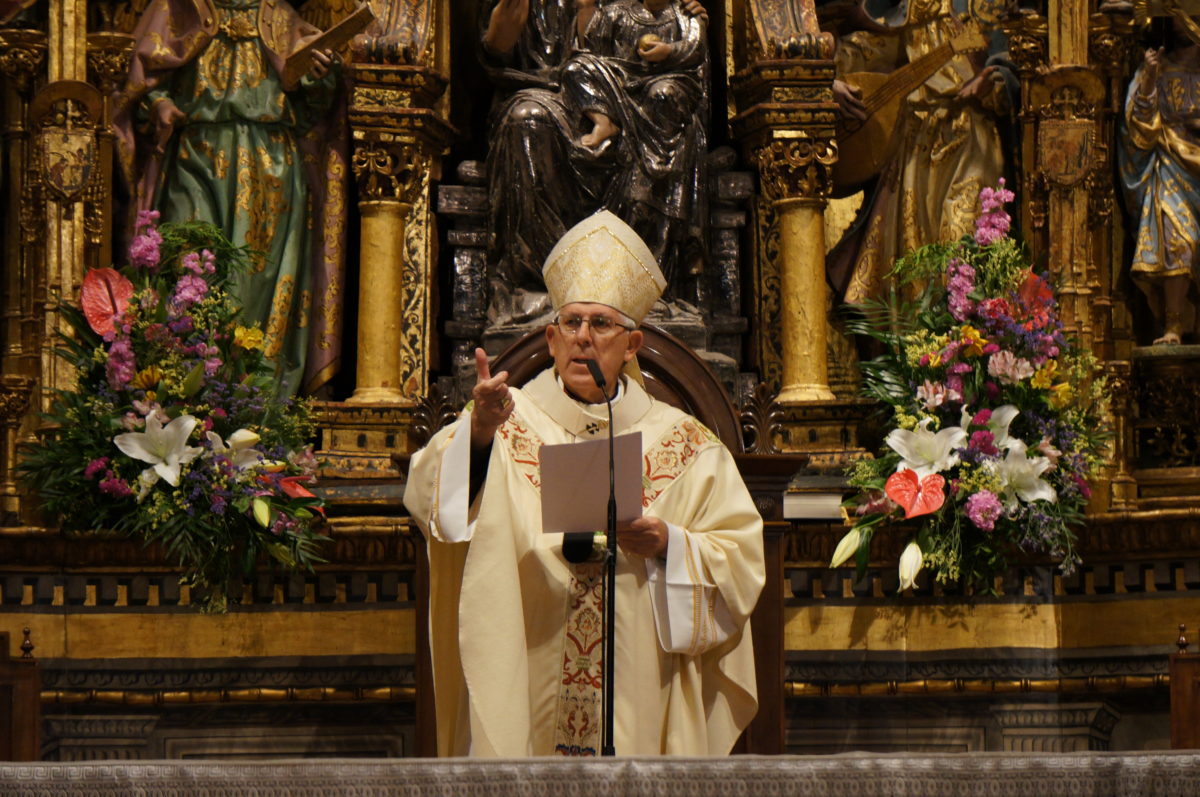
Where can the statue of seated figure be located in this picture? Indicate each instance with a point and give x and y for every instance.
(599, 106)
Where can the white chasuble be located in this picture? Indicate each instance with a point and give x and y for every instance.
(516, 631)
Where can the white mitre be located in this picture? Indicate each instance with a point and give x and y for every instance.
(602, 260)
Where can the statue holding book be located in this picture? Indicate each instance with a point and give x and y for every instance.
(227, 117)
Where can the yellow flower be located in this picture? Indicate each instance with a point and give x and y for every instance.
(1060, 395)
(1045, 375)
(146, 378)
(974, 342)
(248, 337)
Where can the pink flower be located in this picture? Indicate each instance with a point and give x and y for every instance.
(983, 508)
(1047, 450)
(931, 394)
(95, 468)
(992, 390)
(121, 366)
(143, 250)
(1009, 368)
(189, 290)
(954, 388)
(981, 418)
(212, 365)
(984, 443)
(115, 487)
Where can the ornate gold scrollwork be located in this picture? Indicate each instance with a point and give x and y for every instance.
(22, 53)
(799, 167)
(387, 167)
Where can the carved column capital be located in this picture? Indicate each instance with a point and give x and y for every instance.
(796, 167)
(14, 397)
(22, 53)
(108, 59)
(387, 166)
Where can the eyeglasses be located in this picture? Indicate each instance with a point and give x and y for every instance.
(601, 325)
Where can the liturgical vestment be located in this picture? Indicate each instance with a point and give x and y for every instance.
(516, 631)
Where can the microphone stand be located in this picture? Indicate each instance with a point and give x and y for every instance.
(610, 574)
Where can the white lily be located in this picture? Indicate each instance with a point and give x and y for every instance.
(1002, 418)
(164, 447)
(910, 564)
(240, 449)
(1020, 477)
(846, 548)
(927, 452)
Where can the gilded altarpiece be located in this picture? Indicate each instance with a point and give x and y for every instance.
(130, 669)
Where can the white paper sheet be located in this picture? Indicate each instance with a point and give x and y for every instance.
(575, 483)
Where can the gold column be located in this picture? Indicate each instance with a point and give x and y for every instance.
(802, 279)
(781, 104)
(22, 53)
(61, 272)
(793, 147)
(396, 112)
(380, 302)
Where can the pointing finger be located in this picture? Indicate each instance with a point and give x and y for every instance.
(481, 365)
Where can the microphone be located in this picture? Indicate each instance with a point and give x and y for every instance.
(610, 577)
(597, 376)
(577, 545)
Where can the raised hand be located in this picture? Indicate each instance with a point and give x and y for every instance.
(694, 8)
(505, 25)
(493, 404)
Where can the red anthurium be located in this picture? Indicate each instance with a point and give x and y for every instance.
(104, 297)
(916, 496)
(292, 487)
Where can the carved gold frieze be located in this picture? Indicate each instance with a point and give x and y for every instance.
(156, 698)
(976, 686)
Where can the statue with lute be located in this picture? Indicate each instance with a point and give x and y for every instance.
(864, 146)
(924, 91)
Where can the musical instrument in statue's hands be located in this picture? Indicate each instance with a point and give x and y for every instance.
(866, 145)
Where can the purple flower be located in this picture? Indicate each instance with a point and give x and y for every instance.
(181, 325)
(993, 223)
(218, 505)
(983, 508)
(191, 262)
(143, 250)
(189, 290)
(212, 365)
(961, 282)
(95, 468)
(121, 366)
(115, 487)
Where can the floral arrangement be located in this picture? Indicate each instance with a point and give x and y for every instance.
(996, 414)
(173, 432)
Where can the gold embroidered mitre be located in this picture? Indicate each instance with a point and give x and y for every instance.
(601, 259)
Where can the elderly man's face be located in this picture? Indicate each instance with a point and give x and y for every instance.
(573, 342)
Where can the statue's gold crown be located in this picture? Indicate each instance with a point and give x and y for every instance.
(601, 259)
